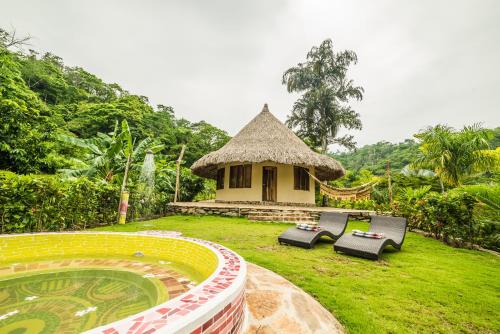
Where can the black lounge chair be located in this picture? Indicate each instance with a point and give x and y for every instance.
(332, 224)
(393, 228)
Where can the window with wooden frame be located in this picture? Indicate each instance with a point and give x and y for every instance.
(300, 178)
(220, 178)
(240, 176)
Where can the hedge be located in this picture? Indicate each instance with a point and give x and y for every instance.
(37, 203)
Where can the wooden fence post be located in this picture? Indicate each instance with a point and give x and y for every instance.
(177, 177)
(389, 184)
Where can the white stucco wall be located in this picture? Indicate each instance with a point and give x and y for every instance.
(284, 192)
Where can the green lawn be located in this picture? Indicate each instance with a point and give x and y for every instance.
(425, 288)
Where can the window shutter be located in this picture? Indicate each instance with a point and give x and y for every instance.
(240, 176)
(300, 178)
(232, 177)
(248, 176)
(296, 178)
(220, 178)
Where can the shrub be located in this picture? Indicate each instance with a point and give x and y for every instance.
(192, 187)
(407, 204)
(362, 204)
(448, 217)
(486, 213)
(36, 203)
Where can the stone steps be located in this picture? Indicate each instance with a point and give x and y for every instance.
(281, 216)
(259, 212)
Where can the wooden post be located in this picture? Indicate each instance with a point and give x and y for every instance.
(389, 185)
(125, 175)
(177, 177)
(123, 204)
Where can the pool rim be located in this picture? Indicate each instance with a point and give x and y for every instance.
(198, 316)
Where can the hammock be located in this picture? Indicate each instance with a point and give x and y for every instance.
(356, 193)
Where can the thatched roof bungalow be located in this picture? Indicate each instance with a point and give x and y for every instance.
(266, 162)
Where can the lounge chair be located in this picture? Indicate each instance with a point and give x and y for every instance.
(332, 224)
(393, 228)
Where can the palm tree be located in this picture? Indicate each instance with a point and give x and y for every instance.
(453, 155)
(322, 110)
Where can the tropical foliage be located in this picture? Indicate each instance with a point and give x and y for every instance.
(35, 203)
(486, 213)
(323, 108)
(454, 155)
(42, 100)
(448, 217)
(460, 162)
(58, 119)
(374, 157)
(106, 155)
(82, 133)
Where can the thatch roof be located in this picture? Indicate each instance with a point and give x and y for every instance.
(265, 138)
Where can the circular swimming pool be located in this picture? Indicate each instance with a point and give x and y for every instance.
(118, 283)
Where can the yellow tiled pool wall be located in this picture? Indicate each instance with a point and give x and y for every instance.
(18, 248)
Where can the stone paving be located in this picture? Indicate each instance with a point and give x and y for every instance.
(277, 306)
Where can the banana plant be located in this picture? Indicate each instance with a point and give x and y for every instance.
(109, 156)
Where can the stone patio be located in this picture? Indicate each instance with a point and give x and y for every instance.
(277, 306)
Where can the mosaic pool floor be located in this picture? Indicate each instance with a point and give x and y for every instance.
(74, 295)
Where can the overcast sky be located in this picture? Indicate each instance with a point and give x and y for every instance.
(420, 62)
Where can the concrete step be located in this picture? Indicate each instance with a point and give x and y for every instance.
(277, 217)
(281, 217)
(284, 214)
(281, 221)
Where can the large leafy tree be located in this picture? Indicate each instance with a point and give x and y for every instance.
(454, 155)
(323, 109)
(87, 119)
(56, 83)
(203, 138)
(26, 123)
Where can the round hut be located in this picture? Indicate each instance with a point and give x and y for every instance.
(266, 162)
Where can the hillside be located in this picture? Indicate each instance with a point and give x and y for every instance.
(375, 156)
(42, 98)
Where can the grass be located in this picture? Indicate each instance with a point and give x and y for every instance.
(427, 287)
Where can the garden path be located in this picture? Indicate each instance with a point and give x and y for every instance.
(277, 306)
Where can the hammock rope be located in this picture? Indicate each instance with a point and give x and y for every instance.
(356, 193)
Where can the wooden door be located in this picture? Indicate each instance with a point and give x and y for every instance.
(269, 184)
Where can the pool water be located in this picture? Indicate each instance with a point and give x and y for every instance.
(78, 294)
(73, 301)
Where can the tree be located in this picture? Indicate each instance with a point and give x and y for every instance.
(495, 141)
(43, 100)
(26, 124)
(9, 39)
(203, 138)
(452, 154)
(323, 109)
(375, 156)
(107, 156)
(90, 118)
